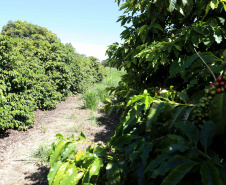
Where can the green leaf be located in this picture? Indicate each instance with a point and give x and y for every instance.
(176, 114)
(93, 169)
(217, 112)
(135, 99)
(178, 173)
(113, 174)
(82, 136)
(131, 120)
(77, 178)
(184, 2)
(188, 62)
(183, 96)
(69, 175)
(157, 26)
(60, 173)
(190, 130)
(146, 149)
(172, 5)
(210, 174)
(68, 150)
(206, 135)
(180, 146)
(143, 32)
(169, 165)
(155, 110)
(192, 83)
(52, 172)
(218, 37)
(57, 152)
(174, 68)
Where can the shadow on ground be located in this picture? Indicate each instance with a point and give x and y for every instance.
(39, 177)
(110, 122)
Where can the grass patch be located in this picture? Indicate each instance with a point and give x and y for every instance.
(97, 93)
(72, 116)
(41, 154)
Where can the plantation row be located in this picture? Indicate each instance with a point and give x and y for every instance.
(38, 71)
(172, 101)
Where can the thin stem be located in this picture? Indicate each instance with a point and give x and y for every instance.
(206, 65)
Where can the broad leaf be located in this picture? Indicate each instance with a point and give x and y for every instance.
(53, 171)
(68, 150)
(77, 178)
(172, 5)
(60, 173)
(210, 174)
(56, 154)
(206, 135)
(176, 114)
(69, 175)
(190, 130)
(113, 174)
(155, 110)
(93, 169)
(82, 136)
(178, 173)
(217, 112)
(188, 62)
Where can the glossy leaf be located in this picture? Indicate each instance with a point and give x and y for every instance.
(155, 110)
(56, 154)
(60, 173)
(69, 175)
(172, 5)
(53, 171)
(77, 178)
(93, 169)
(68, 150)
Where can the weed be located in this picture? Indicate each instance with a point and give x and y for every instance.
(43, 127)
(72, 116)
(41, 154)
(98, 92)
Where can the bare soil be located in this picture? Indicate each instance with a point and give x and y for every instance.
(18, 163)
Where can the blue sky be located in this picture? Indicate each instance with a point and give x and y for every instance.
(90, 25)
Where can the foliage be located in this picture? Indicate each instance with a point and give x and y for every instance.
(159, 41)
(158, 142)
(38, 71)
(98, 93)
(171, 132)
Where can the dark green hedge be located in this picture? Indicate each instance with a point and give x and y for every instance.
(38, 71)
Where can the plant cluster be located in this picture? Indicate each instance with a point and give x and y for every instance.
(171, 131)
(38, 71)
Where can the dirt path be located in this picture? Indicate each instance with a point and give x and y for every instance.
(18, 166)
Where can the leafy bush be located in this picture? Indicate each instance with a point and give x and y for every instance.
(38, 71)
(173, 126)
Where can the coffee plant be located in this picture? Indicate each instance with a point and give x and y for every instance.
(173, 124)
(38, 71)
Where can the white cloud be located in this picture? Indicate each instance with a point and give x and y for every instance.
(97, 51)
